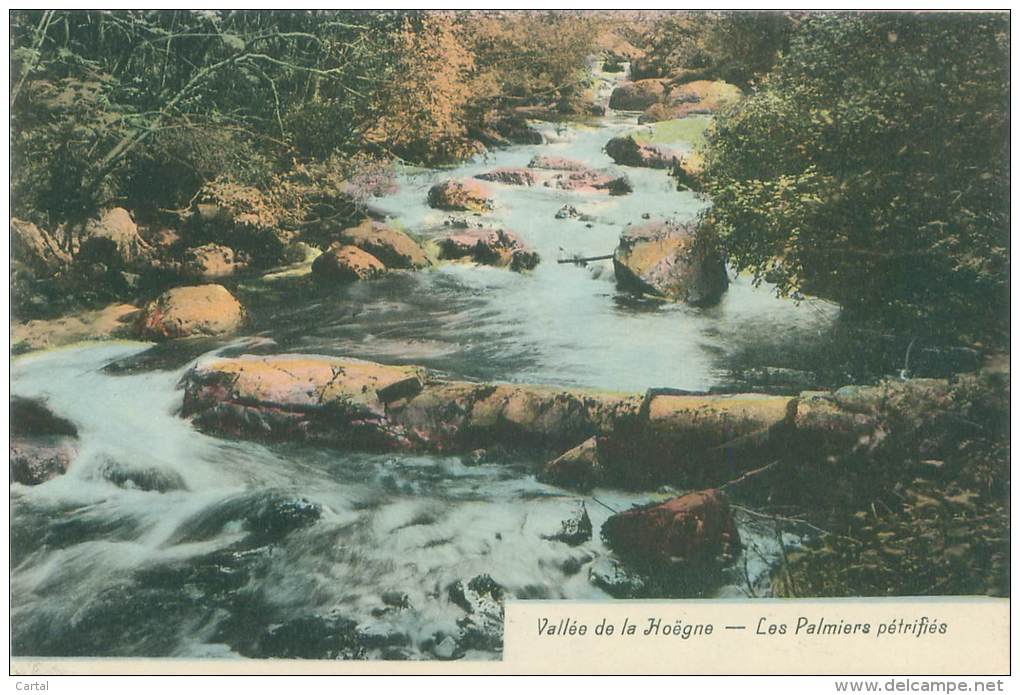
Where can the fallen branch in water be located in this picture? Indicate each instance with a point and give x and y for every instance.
(579, 260)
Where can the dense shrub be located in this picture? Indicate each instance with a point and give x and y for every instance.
(872, 168)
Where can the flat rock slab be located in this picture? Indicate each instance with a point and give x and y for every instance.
(299, 382)
(312, 397)
(114, 321)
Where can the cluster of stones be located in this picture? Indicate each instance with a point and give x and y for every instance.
(662, 99)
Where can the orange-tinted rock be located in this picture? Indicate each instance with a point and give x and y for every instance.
(393, 248)
(203, 310)
(341, 264)
(692, 98)
(580, 468)
(116, 226)
(663, 258)
(296, 381)
(561, 163)
(697, 527)
(465, 195)
(592, 180)
(209, 262)
(113, 321)
(36, 249)
(304, 397)
(496, 247)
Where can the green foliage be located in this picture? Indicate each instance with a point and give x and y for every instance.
(929, 512)
(737, 47)
(690, 130)
(872, 169)
(144, 107)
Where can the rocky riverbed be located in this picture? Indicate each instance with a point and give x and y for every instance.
(362, 449)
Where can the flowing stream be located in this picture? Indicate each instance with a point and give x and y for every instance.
(147, 546)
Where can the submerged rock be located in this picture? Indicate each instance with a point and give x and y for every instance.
(393, 248)
(42, 445)
(267, 517)
(203, 310)
(482, 600)
(496, 247)
(149, 479)
(667, 259)
(510, 176)
(312, 637)
(615, 579)
(343, 264)
(574, 530)
(695, 528)
(32, 417)
(466, 195)
(38, 459)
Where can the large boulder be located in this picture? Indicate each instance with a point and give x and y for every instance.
(511, 176)
(695, 528)
(203, 310)
(465, 195)
(496, 247)
(393, 248)
(342, 263)
(42, 445)
(303, 397)
(626, 150)
(36, 249)
(637, 96)
(115, 226)
(666, 259)
(210, 261)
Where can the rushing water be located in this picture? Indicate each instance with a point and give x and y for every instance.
(155, 542)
